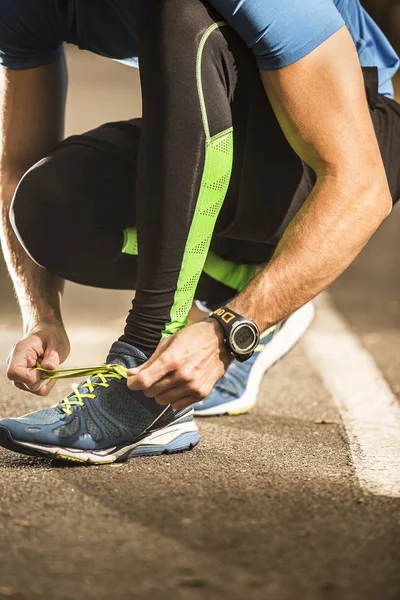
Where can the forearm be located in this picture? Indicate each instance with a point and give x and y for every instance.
(38, 291)
(32, 105)
(320, 243)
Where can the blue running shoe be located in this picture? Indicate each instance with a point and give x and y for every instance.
(236, 392)
(102, 421)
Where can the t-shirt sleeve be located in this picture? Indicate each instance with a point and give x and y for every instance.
(29, 33)
(280, 32)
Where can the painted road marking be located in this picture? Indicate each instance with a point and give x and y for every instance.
(369, 409)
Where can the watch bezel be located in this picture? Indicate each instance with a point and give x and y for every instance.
(256, 338)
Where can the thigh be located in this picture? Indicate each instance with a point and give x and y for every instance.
(99, 167)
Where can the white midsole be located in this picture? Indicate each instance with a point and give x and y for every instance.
(284, 340)
(162, 437)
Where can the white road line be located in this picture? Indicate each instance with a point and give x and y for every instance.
(369, 409)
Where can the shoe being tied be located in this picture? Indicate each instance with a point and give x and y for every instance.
(102, 421)
(236, 392)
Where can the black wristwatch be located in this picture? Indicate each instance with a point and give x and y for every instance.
(241, 335)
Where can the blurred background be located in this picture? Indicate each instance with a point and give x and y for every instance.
(387, 14)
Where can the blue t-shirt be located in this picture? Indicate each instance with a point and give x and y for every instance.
(279, 32)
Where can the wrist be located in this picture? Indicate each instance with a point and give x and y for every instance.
(218, 331)
(220, 337)
(261, 314)
(41, 321)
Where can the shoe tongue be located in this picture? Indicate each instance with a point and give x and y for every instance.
(125, 355)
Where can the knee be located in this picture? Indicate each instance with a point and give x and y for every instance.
(35, 215)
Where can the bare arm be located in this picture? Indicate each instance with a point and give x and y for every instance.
(321, 106)
(32, 117)
(32, 120)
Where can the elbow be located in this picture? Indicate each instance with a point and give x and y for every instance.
(382, 202)
(388, 206)
(388, 211)
(375, 199)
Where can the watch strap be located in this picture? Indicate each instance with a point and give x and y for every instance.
(228, 319)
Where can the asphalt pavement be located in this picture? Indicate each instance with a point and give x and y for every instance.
(271, 505)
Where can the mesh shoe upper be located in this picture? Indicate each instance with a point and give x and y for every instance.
(112, 414)
(46, 416)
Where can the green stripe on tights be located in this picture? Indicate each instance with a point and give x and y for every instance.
(231, 274)
(214, 186)
(130, 241)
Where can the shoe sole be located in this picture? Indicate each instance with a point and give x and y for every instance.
(285, 339)
(169, 440)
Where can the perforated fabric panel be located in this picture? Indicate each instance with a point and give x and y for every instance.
(123, 407)
(47, 416)
(111, 428)
(92, 427)
(213, 189)
(66, 431)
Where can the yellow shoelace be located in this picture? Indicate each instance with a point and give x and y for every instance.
(103, 372)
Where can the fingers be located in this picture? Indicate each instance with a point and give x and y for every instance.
(175, 394)
(173, 388)
(51, 360)
(48, 345)
(22, 370)
(184, 402)
(168, 382)
(144, 377)
(182, 371)
(154, 369)
(160, 387)
(26, 375)
(167, 389)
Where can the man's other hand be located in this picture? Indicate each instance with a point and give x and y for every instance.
(185, 367)
(47, 344)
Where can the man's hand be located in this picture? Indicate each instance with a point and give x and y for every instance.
(47, 344)
(185, 366)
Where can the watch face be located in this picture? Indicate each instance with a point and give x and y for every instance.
(243, 338)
